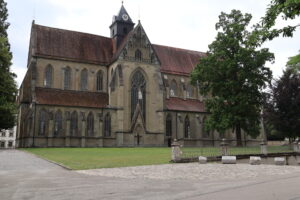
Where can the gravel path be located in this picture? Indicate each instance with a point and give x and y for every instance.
(194, 171)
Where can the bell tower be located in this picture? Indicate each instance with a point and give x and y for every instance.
(121, 26)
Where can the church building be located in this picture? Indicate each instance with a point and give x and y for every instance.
(85, 90)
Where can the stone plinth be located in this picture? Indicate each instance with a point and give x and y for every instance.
(229, 159)
(255, 160)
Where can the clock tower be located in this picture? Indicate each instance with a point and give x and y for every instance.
(121, 25)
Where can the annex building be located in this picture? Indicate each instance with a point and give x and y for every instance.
(84, 90)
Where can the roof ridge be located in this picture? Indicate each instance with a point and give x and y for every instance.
(83, 33)
(178, 48)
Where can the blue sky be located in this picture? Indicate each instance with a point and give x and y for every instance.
(188, 24)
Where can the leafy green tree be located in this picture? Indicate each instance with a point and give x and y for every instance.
(282, 109)
(287, 9)
(294, 63)
(232, 75)
(8, 88)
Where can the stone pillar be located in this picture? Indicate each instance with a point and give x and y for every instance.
(100, 130)
(83, 129)
(176, 152)
(67, 133)
(263, 147)
(224, 147)
(296, 146)
(50, 133)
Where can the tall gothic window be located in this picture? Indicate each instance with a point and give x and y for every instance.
(42, 122)
(173, 89)
(90, 124)
(67, 78)
(187, 128)
(152, 58)
(74, 124)
(138, 55)
(58, 123)
(99, 81)
(107, 125)
(204, 131)
(138, 92)
(48, 76)
(190, 91)
(83, 79)
(169, 125)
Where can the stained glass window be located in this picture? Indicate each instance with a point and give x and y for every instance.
(138, 92)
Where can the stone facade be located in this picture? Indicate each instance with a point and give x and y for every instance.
(83, 90)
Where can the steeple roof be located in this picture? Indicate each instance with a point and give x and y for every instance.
(123, 16)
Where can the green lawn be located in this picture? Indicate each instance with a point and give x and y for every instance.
(91, 158)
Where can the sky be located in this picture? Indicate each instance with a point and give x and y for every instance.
(188, 24)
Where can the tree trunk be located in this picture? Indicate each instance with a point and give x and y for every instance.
(238, 136)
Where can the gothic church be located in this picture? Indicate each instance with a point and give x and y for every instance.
(84, 90)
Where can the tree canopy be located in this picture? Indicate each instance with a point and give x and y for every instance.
(282, 108)
(232, 75)
(8, 88)
(294, 63)
(287, 9)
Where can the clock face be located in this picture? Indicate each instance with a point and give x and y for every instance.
(125, 17)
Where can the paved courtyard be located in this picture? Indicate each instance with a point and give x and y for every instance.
(24, 176)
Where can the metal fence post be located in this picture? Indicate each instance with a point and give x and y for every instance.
(296, 146)
(224, 147)
(176, 152)
(263, 147)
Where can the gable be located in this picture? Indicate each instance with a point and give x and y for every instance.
(137, 40)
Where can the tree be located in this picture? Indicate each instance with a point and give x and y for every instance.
(233, 74)
(282, 109)
(8, 89)
(294, 63)
(288, 9)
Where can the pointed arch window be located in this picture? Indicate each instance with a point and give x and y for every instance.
(90, 124)
(42, 122)
(83, 79)
(152, 58)
(74, 124)
(67, 78)
(187, 128)
(138, 93)
(173, 89)
(107, 125)
(99, 81)
(58, 123)
(169, 125)
(138, 55)
(48, 76)
(190, 91)
(204, 131)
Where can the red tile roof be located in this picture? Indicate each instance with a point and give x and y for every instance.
(190, 105)
(83, 47)
(50, 96)
(177, 61)
(71, 45)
